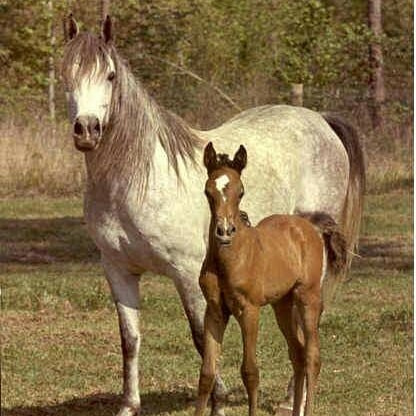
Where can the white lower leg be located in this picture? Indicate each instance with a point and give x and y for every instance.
(303, 404)
(130, 342)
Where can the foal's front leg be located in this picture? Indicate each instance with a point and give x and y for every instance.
(249, 324)
(216, 321)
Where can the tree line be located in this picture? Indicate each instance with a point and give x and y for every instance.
(333, 53)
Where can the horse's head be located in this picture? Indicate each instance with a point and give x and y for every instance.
(88, 72)
(224, 191)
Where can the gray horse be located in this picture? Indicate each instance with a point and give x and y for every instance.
(144, 203)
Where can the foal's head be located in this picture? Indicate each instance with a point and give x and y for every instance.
(224, 191)
(89, 73)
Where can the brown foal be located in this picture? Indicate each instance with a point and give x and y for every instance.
(282, 262)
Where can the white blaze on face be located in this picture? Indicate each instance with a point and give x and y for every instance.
(221, 182)
(92, 95)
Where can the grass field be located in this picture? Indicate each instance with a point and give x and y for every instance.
(60, 342)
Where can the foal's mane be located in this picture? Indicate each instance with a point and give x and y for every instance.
(223, 161)
(136, 121)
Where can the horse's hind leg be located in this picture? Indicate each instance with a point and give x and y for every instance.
(284, 312)
(125, 291)
(194, 305)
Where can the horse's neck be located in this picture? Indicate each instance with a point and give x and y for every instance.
(161, 177)
(136, 148)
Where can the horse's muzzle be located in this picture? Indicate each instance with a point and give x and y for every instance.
(87, 133)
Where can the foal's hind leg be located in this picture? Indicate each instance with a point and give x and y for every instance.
(286, 406)
(310, 308)
(249, 323)
(194, 305)
(284, 313)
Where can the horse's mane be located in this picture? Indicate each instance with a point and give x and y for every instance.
(136, 121)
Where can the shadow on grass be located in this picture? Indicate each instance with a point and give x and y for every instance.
(153, 403)
(37, 241)
(388, 254)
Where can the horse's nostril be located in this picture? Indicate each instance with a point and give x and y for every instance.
(97, 127)
(231, 230)
(220, 231)
(78, 128)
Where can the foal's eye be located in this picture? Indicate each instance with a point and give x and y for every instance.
(111, 75)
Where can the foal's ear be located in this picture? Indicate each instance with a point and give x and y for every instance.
(107, 29)
(210, 157)
(240, 159)
(72, 27)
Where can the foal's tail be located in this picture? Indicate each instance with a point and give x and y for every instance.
(353, 206)
(336, 248)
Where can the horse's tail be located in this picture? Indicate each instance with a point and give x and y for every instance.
(336, 249)
(353, 206)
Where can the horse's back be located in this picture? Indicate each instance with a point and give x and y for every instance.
(294, 152)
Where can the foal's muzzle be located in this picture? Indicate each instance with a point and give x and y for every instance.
(86, 133)
(224, 232)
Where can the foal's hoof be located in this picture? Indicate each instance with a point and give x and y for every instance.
(129, 411)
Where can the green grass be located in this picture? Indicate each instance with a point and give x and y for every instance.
(60, 342)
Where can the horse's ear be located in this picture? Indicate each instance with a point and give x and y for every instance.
(210, 157)
(107, 29)
(240, 159)
(73, 29)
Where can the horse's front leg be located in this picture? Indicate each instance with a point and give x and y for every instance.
(249, 324)
(125, 290)
(194, 304)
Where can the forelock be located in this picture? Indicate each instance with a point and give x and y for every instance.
(83, 56)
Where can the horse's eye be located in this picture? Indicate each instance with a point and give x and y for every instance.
(111, 75)
(241, 194)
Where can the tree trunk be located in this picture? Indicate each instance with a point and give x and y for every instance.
(377, 91)
(297, 95)
(51, 78)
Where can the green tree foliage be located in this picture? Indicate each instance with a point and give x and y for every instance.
(251, 49)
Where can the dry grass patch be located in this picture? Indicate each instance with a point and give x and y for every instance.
(37, 160)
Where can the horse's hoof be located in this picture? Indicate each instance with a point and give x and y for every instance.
(284, 409)
(129, 411)
(217, 412)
